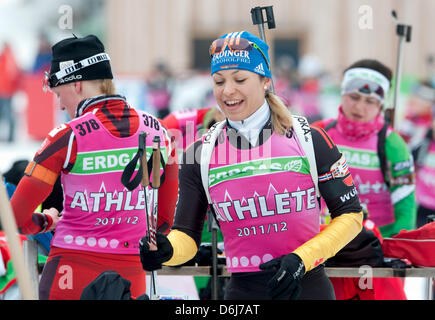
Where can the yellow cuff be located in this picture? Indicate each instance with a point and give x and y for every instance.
(330, 240)
(184, 248)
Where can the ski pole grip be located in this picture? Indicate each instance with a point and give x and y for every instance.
(155, 183)
(142, 146)
(408, 33)
(403, 30)
(270, 17)
(257, 15)
(258, 19)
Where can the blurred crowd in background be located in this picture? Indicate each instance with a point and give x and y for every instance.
(305, 88)
(301, 78)
(26, 112)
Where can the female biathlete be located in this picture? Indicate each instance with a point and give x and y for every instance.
(257, 178)
(102, 222)
(378, 158)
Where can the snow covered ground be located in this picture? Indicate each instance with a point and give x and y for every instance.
(416, 288)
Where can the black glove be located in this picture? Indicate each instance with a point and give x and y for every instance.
(152, 260)
(204, 256)
(396, 263)
(286, 283)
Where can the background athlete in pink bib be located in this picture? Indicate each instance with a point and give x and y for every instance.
(102, 222)
(378, 158)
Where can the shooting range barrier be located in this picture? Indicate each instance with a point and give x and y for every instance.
(355, 272)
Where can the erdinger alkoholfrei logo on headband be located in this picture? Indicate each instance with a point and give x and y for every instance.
(231, 57)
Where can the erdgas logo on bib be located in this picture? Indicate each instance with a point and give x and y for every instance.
(258, 167)
(106, 161)
(294, 165)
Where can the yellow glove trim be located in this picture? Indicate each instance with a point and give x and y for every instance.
(184, 248)
(330, 240)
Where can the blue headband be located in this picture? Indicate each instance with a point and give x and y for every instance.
(251, 60)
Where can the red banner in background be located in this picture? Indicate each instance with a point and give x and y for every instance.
(40, 111)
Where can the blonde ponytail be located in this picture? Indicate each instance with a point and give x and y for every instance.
(280, 114)
(101, 86)
(107, 87)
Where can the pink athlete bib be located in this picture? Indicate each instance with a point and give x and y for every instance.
(425, 180)
(364, 165)
(100, 214)
(264, 198)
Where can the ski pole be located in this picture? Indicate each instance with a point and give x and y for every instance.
(155, 184)
(10, 227)
(132, 183)
(145, 183)
(145, 178)
(404, 33)
(213, 228)
(258, 19)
